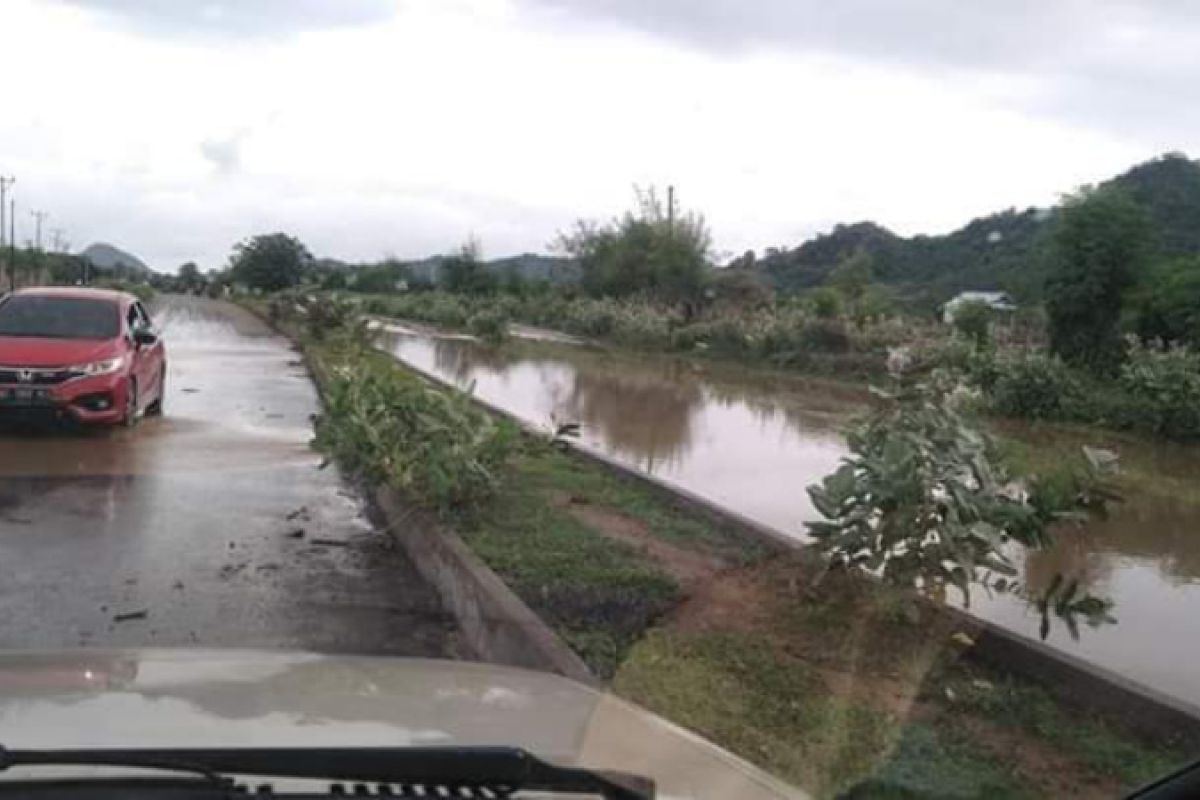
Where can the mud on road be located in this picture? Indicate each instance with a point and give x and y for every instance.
(211, 526)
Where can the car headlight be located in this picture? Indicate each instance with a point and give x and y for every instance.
(105, 367)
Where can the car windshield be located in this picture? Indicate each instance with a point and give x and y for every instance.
(820, 380)
(58, 317)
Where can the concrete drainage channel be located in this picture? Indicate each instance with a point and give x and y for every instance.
(1086, 685)
(498, 626)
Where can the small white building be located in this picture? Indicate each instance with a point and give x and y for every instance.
(999, 302)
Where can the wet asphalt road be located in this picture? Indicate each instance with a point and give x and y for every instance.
(196, 518)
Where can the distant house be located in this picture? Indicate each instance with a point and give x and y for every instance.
(997, 301)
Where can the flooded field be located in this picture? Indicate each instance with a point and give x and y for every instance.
(753, 440)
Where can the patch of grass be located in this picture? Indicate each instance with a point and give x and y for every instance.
(928, 763)
(1098, 745)
(600, 595)
(550, 472)
(751, 696)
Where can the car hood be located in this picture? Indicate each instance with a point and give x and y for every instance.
(24, 351)
(155, 698)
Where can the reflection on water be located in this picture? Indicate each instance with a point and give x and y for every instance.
(721, 432)
(753, 440)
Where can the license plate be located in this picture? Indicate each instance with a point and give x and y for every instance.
(24, 397)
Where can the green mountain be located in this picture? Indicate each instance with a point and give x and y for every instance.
(1000, 251)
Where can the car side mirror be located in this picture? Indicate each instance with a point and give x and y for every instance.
(145, 338)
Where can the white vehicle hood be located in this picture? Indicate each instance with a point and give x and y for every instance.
(204, 698)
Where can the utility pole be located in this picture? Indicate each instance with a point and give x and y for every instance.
(5, 183)
(56, 237)
(40, 216)
(12, 244)
(671, 208)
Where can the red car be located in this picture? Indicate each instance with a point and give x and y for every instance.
(88, 354)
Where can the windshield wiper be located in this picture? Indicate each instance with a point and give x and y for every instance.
(506, 769)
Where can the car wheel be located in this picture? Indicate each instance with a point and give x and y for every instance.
(155, 409)
(131, 405)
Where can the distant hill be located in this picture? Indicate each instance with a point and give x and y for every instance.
(108, 257)
(1000, 251)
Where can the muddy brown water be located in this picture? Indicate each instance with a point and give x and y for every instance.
(752, 440)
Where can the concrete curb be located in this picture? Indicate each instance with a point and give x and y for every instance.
(1084, 685)
(495, 623)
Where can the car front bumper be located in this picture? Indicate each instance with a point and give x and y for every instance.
(99, 399)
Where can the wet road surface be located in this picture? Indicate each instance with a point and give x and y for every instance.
(215, 521)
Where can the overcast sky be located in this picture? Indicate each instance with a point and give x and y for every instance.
(400, 127)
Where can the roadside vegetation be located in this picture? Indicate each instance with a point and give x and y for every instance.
(838, 684)
(1113, 345)
(797, 661)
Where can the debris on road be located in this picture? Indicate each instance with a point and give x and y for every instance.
(297, 534)
(302, 511)
(229, 570)
(329, 543)
(178, 585)
(190, 390)
(131, 615)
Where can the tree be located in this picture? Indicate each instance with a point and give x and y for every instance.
(973, 319)
(1167, 306)
(852, 276)
(826, 303)
(269, 262)
(1099, 246)
(190, 279)
(651, 250)
(739, 290)
(464, 271)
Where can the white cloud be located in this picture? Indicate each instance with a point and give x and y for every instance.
(405, 132)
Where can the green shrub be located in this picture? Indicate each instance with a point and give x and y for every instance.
(921, 503)
(490, 325)
(973, 320)
(824, 336)
(978, 364)
(1032, 385)
(1163, 385)
(826, 303)
(433, 446)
